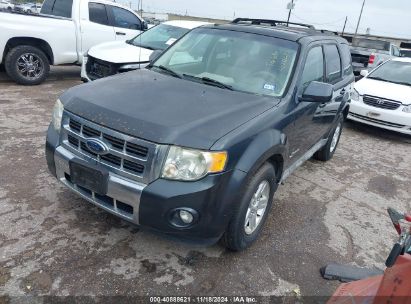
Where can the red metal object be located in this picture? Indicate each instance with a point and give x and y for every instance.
(391, 288)
(394, 286)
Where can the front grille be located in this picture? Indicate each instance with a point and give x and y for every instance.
(381, 103)
(96, 68)
(127, 156)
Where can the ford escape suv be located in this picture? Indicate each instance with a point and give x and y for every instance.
(195, 145)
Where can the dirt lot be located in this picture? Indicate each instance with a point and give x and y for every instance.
(54, 243)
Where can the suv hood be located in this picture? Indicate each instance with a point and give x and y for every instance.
(120, 52)
(164, 109)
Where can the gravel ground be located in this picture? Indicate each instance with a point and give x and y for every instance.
(54, 243)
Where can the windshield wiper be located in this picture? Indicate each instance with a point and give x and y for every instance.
(378, 78)
(402, 82)
(210, 81)
(167, 70)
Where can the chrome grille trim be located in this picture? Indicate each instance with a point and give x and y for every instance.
(151, 161)
(381, 103)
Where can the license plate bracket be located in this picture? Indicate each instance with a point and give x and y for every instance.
(89, 176)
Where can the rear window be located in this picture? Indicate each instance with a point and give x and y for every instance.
(333, 63)
(346, 59)
(371, 44)
(60, 8)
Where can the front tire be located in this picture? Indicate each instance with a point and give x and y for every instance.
(252, 210)
(327, 152)
(27, 65)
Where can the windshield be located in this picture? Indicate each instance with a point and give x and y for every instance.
(371, 44)
(159, 37)
(232, 60)
(393, 71)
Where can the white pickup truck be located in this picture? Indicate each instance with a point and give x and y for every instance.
(61, 34)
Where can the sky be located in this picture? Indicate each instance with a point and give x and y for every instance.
(383, 17)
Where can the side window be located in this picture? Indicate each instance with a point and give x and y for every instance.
(314, 67)
(61, 8)
(346, 59)
(98, 13)
(125, 19)
(333, 61)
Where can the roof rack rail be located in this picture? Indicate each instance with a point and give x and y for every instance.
(270, 22)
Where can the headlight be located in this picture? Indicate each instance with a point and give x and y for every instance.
(57, 115)
(407, 109)
(132, 66)
(191, 165)
(355, 95)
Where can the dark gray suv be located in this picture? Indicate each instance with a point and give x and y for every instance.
(195, 145)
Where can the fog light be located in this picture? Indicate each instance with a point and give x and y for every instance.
(186, 217)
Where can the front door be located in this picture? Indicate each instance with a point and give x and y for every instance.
(126, 24)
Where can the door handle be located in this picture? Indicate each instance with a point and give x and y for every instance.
(120, 33)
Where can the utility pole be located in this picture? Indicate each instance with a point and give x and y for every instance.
(290, 7)
(359, 19)
(345, 24)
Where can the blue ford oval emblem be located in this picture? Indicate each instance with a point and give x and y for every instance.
(97, 146)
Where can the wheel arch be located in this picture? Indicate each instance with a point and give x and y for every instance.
(36, 42)
(269, 146)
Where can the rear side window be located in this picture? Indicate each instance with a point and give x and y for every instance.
(61, 8)
(98, 13)
(346, 59)
(125, 19)
(333, 62)
(314, 67)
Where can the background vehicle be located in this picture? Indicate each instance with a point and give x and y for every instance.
(5, 5)
(405, 53)
(34, 8)
(196, 144)
(110, 58)
(383, 97)
(368, 54)
(60, 35)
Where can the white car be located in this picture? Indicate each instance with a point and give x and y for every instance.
(383, 97)
(61, 34)
(110, 58)
(5, 5)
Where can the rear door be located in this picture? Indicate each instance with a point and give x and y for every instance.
(126, 24)
(95, 26)
(334, 75)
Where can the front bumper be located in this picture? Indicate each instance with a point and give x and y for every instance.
(394, 120)
(151, 205)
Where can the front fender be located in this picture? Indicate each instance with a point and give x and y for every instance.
(261, 148)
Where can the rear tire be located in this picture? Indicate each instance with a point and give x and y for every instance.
(27, 65)
(240, 233)
(327, 152)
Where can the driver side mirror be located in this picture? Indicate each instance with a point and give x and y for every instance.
(364, 73)
(154, 55)
(318, 92)
(144, 26)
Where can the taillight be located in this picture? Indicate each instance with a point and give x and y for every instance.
(371, 59)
